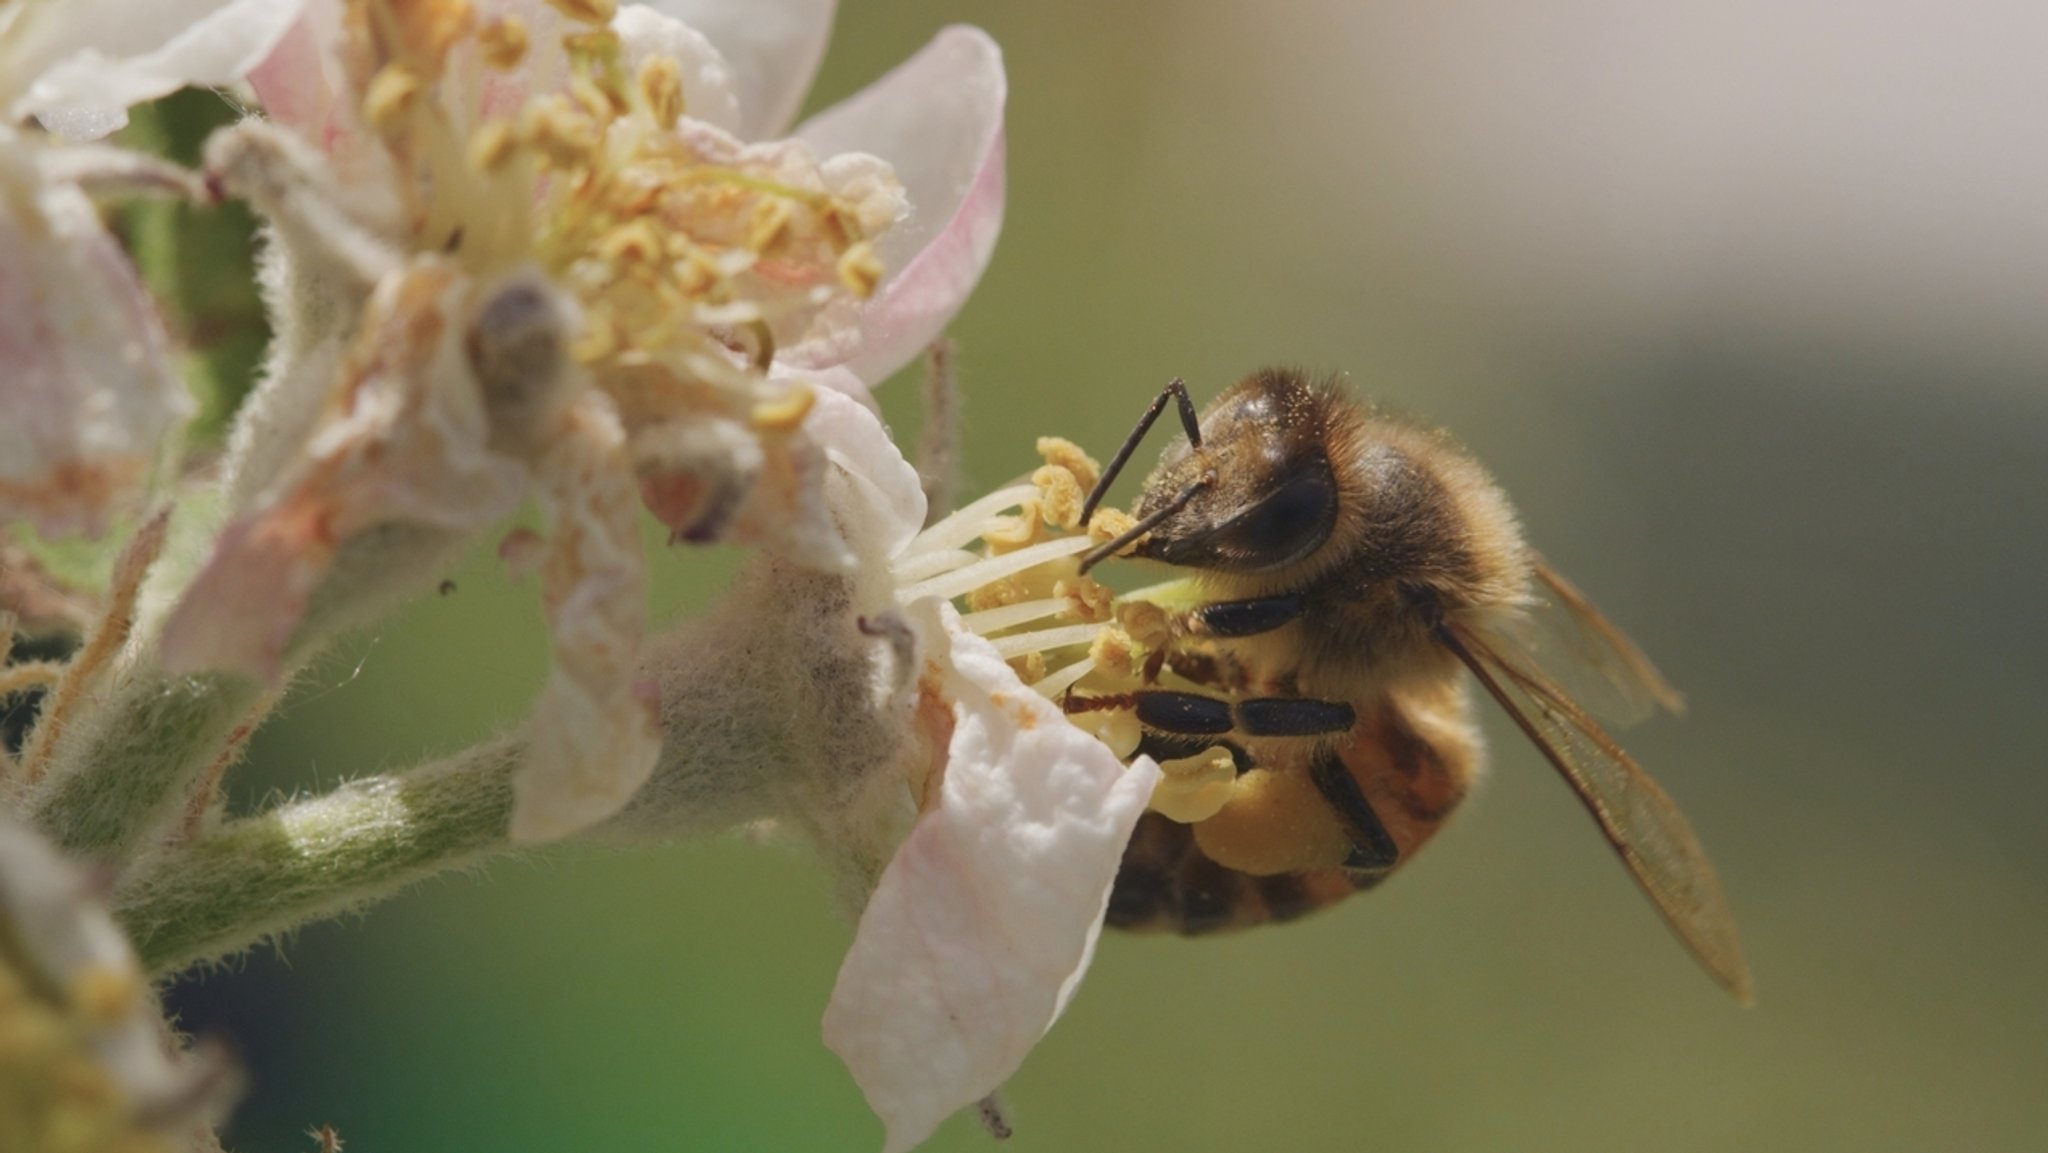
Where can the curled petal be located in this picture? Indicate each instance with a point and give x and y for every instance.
(774, 47)
(87, 383)
(987, 916)
(93, 59)
(855, 440)
(409, 443)
(594, 732)
(938, 119)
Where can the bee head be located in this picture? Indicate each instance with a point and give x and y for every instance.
(1260, 493)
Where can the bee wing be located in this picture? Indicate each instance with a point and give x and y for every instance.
(1590, 655)
(1640, 820)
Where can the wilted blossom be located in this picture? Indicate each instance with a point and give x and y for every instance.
(86, 1063)
(977, 923)
(520, 250)
(88, 387)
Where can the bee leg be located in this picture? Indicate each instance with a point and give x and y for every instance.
(1188, 420)
(1294, 717)
(1372, 847)
(1246, 618)
(1184, 714)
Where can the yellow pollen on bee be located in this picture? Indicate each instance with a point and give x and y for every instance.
(860, 269)
(785, 414)
(599, 338)
(1117, 728)
(392, 92)
(587, 11)
(661, 88)
(504, 42)
(1195, 788)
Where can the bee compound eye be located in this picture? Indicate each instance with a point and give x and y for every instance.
(1289, 522)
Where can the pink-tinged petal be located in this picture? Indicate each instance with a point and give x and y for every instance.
(93, 59)
(938, 120)
(593, 735)
(302, 86)
(985, 918)
(407, 442)
(709, 86)
(773, 46)
(89, 393)
(855, 440)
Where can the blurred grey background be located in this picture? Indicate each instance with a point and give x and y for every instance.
(1741, 301)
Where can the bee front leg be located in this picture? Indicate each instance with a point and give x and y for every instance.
(1245, 618)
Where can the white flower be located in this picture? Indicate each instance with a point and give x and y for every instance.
(88, 386)
(538, 270)
(88, 1056)
(984, 919)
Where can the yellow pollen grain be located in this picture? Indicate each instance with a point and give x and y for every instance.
(564, 136)
(429, 29)
(1061, 493)
(1087, 600)
(770, 220)
(599, 12)
(1195, 788)
(784, 414)
(1145, 623)
(1117, 728)
(492, 145)
(391, 93)
(860, 270)
(103, 996)
(635, 242)
(1063, 453)
(1013, 532)
(1030, 668)
(1109, 523)
(1114, 652)
(600, 338)
(661, 89)
(504, 42)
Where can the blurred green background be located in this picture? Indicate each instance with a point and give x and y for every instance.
(1742, 302)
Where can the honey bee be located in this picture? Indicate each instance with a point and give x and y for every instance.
(1343, 571)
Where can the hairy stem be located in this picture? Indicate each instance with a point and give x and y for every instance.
(319, 858)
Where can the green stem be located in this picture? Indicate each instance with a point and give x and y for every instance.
(319, 858)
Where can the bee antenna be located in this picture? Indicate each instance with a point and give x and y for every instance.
(1179, 392)
(1110, 548)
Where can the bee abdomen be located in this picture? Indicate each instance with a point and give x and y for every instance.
(1168, 884)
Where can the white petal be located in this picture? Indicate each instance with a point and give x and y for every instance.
(88, 386)
(594, 736)
(709, 86)
(407, 441)
(938, 119)
(855, 440)
(92, 59)
(774, 47)
(986, 917)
